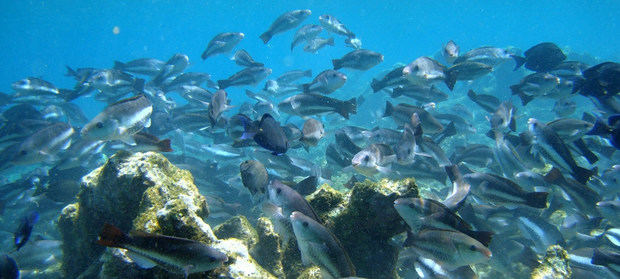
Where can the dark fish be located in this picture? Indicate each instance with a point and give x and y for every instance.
(243, 58)
(606, 258)
(247, 76)
(254, 176)
(467, 70)
(611, 129)
(392, 78)
(270, 135)
(284, 22)
(318, 43)
(175, 254)
(450, 51)
(222, 43)
(359, 59)
(307, 186)
(306, 33)
(8, 268)
(325, 82)
(320, 247)
(334, 25)
(501, 190)
(601, 81)
(22, 234)
(542, 57)
(313, 104)
(142, 66)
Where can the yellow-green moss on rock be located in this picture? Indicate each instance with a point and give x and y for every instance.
(237, 227)
(555, 265)
(326, 201)
(268, 252)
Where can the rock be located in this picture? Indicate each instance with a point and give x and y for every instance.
(237, 227)
(554, 265)
(268, 252)
(313, 272)
(142, 192)
(326, 201)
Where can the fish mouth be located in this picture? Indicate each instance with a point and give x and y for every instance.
(487, 253)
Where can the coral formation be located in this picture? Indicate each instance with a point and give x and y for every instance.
(554, 265)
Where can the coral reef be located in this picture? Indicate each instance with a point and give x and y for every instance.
(268, 252)
(237, 227)
(554, 265)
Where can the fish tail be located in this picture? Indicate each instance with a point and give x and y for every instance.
(525, 98)
(483, 237)
(204, 54)
(600, 128)
(349, 107)
(554, 176)
(330, 41)
(590, 156)
(223, 83)
(337, 64)
(265, 37)
(471, 94)
(453, 172)
(450, 79)
(305, 87)
(598, 258)
(118, 65)
(112, 236)
(583, 175)
(389, 109)
(138, 85)
(164, 145)
(518, 60)
(70, 72)
(537, 199)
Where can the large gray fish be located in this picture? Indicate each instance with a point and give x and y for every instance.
(320, 247)
(120, 120)
(553, 148)
(402, 113)
(359, 59)
(501, 190)
(450, 51)
(142, 66)
(334, 25)
(218, 104)
(451, 249)
(535, 85)
(173, 67)
(289, 200)
(317, 43)
(243, 58)
(376, 158)
(44, 144)
(424, 71)
(313, 104)
(174, 254)
(491, 56)
(305, 33)
(247, 76)
(222, 43)
(467, 70)
(284, 22)
(326, 82)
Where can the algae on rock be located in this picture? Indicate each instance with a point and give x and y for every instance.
(237, 227)
(554, 265)
(267, 251)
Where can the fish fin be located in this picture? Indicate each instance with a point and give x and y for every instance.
(128, 141)
(583, 175)
(471, 94)
(513, 124)
(525, 99)
(375, 85)
(483, 237)
(112, 236)
(164, 145)
(599, 258)
(141, 261)
(590, 156)
(612, 120)
(337, 64)
(600, 128)
(330, 42)
(148, 123)
(384, 170)
(348, 107)
(554, 176)
(389, 109)
(536, 199)
(305, 87)
(70, 72)
(450, 79)
(139, 84)
(588, 117)
(223, 83)
(518, 60)
(266, 37)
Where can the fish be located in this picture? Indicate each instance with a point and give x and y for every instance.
(333, 25)
(306, 33)
(218, 104)
(540, 232)
(34, 86)
(307, 186)
(553, 148)
(79, 153)
(290, 200)
(173, 67)
(491, 56)
(317, 43)
(610, 259)
(312, 131)
(402, 113)
(504, 118)
(244, 59)
(141, 66)
(424, 71)
(451, 249)
(450, 51)
(564, 107)
(460, 189)
(254, 176)
(601, 81)
(535, 85)
(374, 159)
(293, 75)
(119, 121)
(467, 70)
(310, 104)
(270, 135)
(222, 43)
(501, 190)
(393, 78)
(542, 57)
(325, 82)
(8, 268)
(146, 142)
(406, 149)
(581, 195)
(610, 130)
(285, 22)
(320, 247)
(174, 254)
(359, 59)
(44, 144)
(247, 76)
(23, 232)
(354, 43)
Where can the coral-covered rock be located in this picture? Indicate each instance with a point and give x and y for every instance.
(554, 265)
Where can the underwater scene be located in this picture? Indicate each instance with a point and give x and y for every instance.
(310, 139)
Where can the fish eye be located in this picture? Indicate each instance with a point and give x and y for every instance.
(211, 259)
(411, 205)
(473, 247)
(408, 150)
(415, 68)
(278, 191)
(305, 224)
(23, 152)
(366, 158)
(99, 125)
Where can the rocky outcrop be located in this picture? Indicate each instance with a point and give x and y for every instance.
(554, 265)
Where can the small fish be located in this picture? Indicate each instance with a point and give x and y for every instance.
(581, 195)
(542, 57)
(500, 190)
(312, 132)
(285, 22)
(467, 70)
(22, 234)
(564, 107)
(306, 33)
(360, 59)
(247, 76)
(491, 56)
(44, 144)
(142, 66)
(254, 176)
(504, 118)
(8, 268)
(269, 135)
(402, 113)
(535, 85)
(34, 86)
(325, 82)
(489, 103)
(243, 58)
(320, 247)
(174, 254)
(293, 75)
(222, 43)
(354, 43)
(450, 51)
(314, 104)
(376, 158)
(119, 121)
(420, 93)
(290, 200)
(317, 43)
(218, 104)
(334, 25)
(146, 142)
(173, 67)
(392, 78)
(424, 71)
